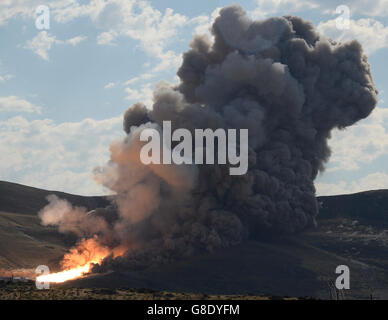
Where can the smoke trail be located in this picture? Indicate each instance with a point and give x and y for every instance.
(278, 78)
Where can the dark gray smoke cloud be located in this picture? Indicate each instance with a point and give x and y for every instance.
(278, 78)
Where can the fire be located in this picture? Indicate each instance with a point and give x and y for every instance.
(65, 275)
(80, 260)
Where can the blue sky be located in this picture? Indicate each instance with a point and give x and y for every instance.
(63, 90)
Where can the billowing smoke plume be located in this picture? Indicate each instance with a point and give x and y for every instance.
(278, 78)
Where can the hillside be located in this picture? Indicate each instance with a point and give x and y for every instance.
(28, 200)
(371, 206)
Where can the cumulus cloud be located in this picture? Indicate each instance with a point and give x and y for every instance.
(205, 22)
(43, 42)
(372, 34)
(16, 104)
(266, 8)
(76, 40)
(373, 181)
(10, 9)
(67, 10)
(354, 148)
(150, 26)
(144, 93)
(138, 20)
(53, 155)
(141, 77)
(61, 10)
(361, 144)
(106, 38)
(369, 8)
(110, 85)
(142, 22)
(168, 60)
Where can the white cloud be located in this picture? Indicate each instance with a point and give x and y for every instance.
(266, 8)
(143, 94)
(140, 21)
(76, 40)
(144, 76)
(356, 147)
(204, 22)
(360, 144)
(330, 189)
(373, 181)
(134, 19)
(55, 156)
(16, 104)
(61, 10)
(132, 81)
(43, 41)
(67, 10)
(372, 34)
(110, 85)
(168, 60)
(10, 9)
(370, 8)
(41, 44)
(152, 28)
(377, 8)
(107, 38)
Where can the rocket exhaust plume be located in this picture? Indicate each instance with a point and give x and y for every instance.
(278, 78)
(80, 260)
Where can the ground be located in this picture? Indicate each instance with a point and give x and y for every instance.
(28, 291)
